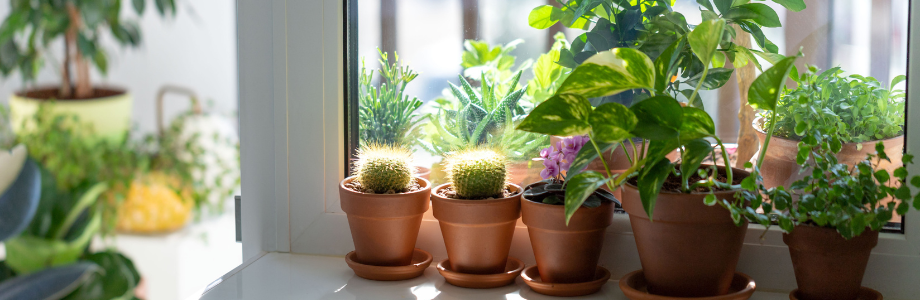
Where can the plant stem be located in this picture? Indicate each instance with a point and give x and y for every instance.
(88, 198)
(699, 84)
(628, 157)
(635, 153)
(766, 143)
(728, 168)
(600, 155)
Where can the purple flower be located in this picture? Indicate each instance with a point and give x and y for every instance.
(550, 168)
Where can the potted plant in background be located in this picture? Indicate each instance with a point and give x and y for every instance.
(672, 195)
(26, 36)
(388, 115)
(832, 216)
(385, 201)
(477, 210)
(566, 252)
(852, 111)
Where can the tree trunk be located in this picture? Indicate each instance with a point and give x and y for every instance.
(72, 53)
(747, 139)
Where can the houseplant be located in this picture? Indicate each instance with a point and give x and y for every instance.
(565, 253)
(853, 111)
(477, 210)
(33, 26)
(388, 115)
(672, 264)
(832, 216)
(384, 201)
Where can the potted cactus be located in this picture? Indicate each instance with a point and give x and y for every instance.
(384, 201)
(477, 210)
(566, 249)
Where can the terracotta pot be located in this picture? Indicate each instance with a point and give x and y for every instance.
(477, 233)
(826, 265)
(524, 172)
(566, 254)
(783, 170)
(690, 250)
(424, 172)
(384, 227)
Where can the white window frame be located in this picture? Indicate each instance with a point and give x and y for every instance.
(291, 64)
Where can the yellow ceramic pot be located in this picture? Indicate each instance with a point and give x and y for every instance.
(109, 116)
(154, 206)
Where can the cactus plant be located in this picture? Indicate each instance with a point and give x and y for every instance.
(383, 168)
(478, 173)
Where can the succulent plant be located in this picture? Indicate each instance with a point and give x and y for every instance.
(478, 173)
(382, 168)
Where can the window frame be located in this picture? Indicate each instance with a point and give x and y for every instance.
(292, 80)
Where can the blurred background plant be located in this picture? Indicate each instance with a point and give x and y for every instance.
(388, 116)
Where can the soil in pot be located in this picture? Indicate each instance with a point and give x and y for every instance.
(566, 254)
(691, 249)
(384, 227)
(477, 233)
(826, 265)
(49, 93)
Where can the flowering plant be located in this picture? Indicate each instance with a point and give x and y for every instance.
(557, 161)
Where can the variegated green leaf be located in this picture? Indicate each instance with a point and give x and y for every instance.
(705, 38)
(612, 123)
(611, 72)
(561, 115)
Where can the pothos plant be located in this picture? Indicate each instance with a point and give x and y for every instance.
(660, 120)
(835, 195)
(557, 162)
(653, 27)
(32, 26)
(848, 109)
(388, 116)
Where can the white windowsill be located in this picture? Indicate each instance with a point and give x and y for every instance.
(306, 277)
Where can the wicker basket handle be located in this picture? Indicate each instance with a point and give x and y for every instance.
(196, 107)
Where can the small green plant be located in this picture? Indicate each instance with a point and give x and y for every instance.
(834, 195)
(384, 168)
(387, 114)
(547, 74)
(33, 26)
(493, 63)
(660, 120)
(655, 29)
(477, 174)
(848, 109)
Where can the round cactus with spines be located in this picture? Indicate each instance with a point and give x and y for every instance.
(477, 174)
(384, 168)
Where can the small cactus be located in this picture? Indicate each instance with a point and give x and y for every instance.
(384, 168)
(477, 174)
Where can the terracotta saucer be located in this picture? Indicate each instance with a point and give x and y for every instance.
(532, 278)
(420, 261)
(864, 294)
(634, 287)
(482, 281)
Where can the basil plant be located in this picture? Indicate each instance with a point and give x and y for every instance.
(660, 120)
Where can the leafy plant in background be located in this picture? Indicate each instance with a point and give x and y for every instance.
(493, 63)
(660, 119)
(847, 109)
(388, 115)
(49, 268)
(32, 26)
(652, 27)
(6, 132)
(557, 161)
(483, 118)
(547, 74)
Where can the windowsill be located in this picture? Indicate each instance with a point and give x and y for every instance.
(295, 276)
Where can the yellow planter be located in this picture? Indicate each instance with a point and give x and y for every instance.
(110, 117)
(154, 206)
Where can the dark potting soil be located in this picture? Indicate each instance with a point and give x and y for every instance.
(356, 186)
(448, 192)
(49, 93)
(672, 184)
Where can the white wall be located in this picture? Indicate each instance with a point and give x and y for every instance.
(196, 48)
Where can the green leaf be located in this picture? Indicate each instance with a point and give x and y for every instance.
(578, 188)
(766, 88)
(101, 62)
(882, 176)
(705, 3)
(710, 200)
(87, 47)
(588, 154)
(651, 178)
(561, 115)
(117, 281)
(665, 64)
(544, 16)
(715, 78)
(793, 5)
(611, 123)
(696, 124)
(693, 155)
(139, 6)
(609, 73)
(705, 38)
(658, 118)
(723, 5)
(757, 12)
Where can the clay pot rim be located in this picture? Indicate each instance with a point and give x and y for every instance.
(425, 188)
(735, 171)
(762, 132)
(518, 191)
(561, 205)
(863, 293)
(119, 91)
(624, 285)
